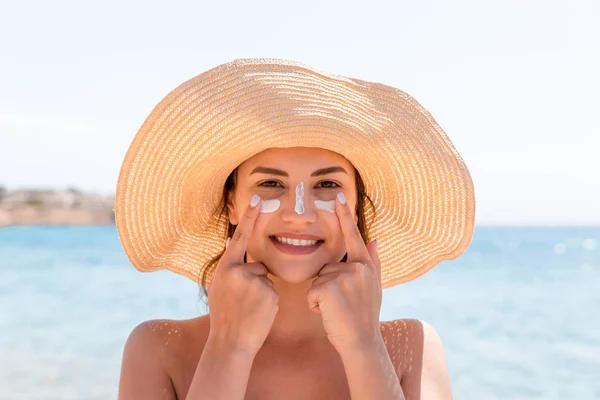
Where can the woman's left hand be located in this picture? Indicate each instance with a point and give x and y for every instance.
(348, 294)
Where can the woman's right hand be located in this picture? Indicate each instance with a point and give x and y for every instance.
(241, 298)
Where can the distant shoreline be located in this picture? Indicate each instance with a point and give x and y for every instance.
(69, 207)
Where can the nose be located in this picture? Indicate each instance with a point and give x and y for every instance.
(289, 210)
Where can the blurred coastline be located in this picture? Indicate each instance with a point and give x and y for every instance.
(54, 207)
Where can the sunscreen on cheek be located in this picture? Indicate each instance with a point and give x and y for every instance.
(299, 198)
(325, 205)
(269, 206)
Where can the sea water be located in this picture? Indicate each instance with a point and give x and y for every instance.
(519, 312)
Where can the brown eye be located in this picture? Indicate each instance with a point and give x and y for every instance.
(320, 185)
(329, 185)
(269, 184)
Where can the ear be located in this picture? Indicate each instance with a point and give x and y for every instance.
(231, 209)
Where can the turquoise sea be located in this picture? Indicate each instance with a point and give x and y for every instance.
(519, 312)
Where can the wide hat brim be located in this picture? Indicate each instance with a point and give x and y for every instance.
(172, 177)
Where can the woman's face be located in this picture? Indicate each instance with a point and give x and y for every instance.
(281, 174)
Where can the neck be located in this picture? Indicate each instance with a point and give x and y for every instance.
(294, 324)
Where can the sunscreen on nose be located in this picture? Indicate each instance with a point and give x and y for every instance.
(325, 205)
(299, 198)
(269, 206)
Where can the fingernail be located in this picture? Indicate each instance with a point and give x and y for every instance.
(376, 243)
(341, 197)
(227, 242)
(254, 201)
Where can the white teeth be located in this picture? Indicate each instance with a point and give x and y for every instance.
(296, 242)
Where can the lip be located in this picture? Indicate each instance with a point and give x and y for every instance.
(295, 250)
(298, 236)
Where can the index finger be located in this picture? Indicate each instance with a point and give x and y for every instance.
(239, 241)
(355, 246)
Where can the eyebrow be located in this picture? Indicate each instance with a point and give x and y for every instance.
(319, 172)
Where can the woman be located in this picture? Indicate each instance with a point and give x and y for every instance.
(294, 196)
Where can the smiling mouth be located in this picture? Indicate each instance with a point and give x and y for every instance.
(296, 242)
(295, 246)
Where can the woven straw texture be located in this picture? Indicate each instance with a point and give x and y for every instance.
(173, 174)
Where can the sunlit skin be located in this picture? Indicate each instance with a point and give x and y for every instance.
(298, 163)
(325, 340)
(292, 275)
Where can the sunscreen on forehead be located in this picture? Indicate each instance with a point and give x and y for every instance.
(325, 205)
(269, 206)
(299, 198)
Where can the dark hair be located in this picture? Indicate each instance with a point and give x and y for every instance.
(223, 212)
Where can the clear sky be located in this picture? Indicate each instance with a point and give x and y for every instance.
(515, 84)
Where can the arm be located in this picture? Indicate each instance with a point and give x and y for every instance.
(142, 373)
(243, 306)
(428, 376)
(371, 374)
(222, 373)
(435, 382)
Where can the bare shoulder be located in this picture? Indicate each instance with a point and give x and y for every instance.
(403, 339)
(152, 357)
(417, 352)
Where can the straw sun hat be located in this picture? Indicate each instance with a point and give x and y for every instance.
(173, 175)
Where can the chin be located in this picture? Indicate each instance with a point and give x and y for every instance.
(289, 276)
(297, 271)
(294, 269)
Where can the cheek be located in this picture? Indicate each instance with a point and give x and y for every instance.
(259, 233)
(323, 205)
(332, 227)
(269, 206)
